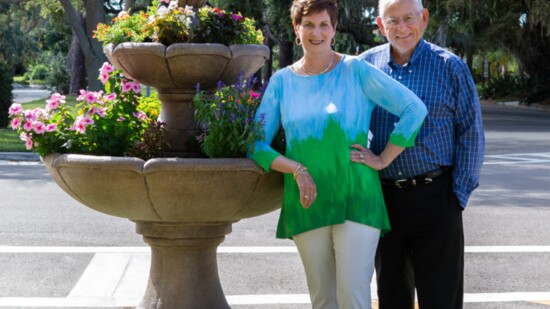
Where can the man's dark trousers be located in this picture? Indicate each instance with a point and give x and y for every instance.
(425, 248)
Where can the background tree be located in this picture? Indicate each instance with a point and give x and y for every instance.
(6, 96)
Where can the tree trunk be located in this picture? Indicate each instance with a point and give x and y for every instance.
(440, 37)
(91, 48)
(286, 56)
(77, 66)
(128, 5)
(95, 13)
(268, 66)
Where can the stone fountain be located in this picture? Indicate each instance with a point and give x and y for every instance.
(183, 207)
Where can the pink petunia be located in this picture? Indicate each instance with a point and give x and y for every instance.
(107, 67)
(121, 119)
(110, 97)
(91, 97)
(28, 143)
(15, 109)
(82, 95)
(30, 115)
(51, 105)
(100, 112)
(51, 127)
(15, 123)
(87, 120)
(39, 127)
(28, 126)
(104, 78)
(58, 97)
(136, 87)
(126, 87)
(140, 115)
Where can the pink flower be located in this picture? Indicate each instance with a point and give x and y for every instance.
(30, 115)
(82, 95)
(136, 87)
(110, 96)
(91, 97)
(140, 115)
(28, 126)
(58, 97)
(103, 77)
(100, 112)
(15, 123)
(51, 127)
(121, 119)
(87, 120)
(236, 17)
(51, 105)
(126, 86)
(254, 95)
(166, 1)
(28, 143)
(80, 124)
(39, 127)
(15, 109)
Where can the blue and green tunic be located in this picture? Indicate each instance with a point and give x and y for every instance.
(322, 116)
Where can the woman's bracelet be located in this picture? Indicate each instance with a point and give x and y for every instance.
(299, 170)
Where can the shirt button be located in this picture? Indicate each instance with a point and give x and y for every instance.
(410, 71)
(399, 77)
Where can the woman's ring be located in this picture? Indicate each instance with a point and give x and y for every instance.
(361, 155)
(306, 197)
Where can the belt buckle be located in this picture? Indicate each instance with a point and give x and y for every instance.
(399, 183)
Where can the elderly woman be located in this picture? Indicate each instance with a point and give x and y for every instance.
(333, 207)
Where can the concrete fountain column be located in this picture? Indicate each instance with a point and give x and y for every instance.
(184, 268)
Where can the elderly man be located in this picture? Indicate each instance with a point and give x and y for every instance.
(428, 186)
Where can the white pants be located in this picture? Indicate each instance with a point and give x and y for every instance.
(339, 264)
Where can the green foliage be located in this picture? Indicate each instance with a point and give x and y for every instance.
(57, 78)
(226, 119)
(6, 95)
(505, 86)
(174, 24)
(124, 28)
(219, 26)
(153, 144)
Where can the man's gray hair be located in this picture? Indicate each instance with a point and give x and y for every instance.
(384, 4)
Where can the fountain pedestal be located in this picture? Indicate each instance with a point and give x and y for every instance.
(184, 270)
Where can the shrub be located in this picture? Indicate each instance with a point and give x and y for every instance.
(6, 95)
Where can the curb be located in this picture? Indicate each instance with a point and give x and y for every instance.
(19, 156)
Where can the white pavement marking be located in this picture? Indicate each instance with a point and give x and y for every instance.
(264, 299)
(117, 277)
(245, 249)
(517, 158)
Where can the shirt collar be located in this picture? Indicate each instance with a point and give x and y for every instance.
(416, 54)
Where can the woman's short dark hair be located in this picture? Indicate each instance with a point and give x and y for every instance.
(301, 8)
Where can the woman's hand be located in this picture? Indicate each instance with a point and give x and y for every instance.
(365, 156)
(307, 187)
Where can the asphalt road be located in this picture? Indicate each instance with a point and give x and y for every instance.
(50, 244)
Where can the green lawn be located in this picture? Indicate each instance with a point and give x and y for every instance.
(10, 142)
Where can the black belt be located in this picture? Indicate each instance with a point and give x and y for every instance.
(419, 180)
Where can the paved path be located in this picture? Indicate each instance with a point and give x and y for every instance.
(24, 95)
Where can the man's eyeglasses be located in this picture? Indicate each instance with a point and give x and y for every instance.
(407, 19)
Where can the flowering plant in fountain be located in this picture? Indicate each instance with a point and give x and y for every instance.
(226, 119)
(110, 122)
(168, 23)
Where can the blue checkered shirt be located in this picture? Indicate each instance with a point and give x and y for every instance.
(452, 134)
